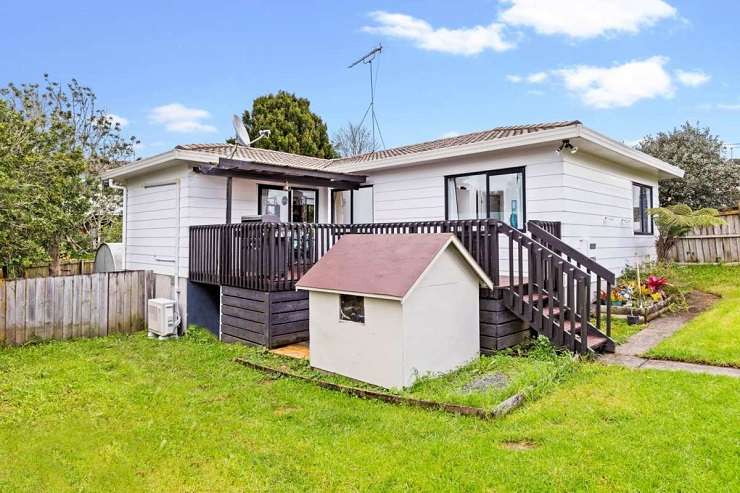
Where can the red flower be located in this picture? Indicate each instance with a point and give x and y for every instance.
(655, 283)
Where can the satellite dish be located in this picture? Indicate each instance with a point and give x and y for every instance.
(242, 136)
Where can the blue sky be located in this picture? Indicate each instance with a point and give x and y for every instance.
(176, 71)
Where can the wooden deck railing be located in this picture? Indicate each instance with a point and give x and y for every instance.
(273, 256)
(552, 227)
(596, 272)
(546, 282)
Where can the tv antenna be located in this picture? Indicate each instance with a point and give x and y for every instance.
(241, 136)
(368, 59)
(730, 150)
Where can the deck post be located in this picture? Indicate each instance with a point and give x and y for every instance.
(229, 185)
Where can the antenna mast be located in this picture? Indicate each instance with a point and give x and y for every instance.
(368, 60)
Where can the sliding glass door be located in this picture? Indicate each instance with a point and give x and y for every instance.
(497, 194)
(352, 206)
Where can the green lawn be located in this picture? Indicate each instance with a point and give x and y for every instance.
(132, 414)
(714, 336)
(535, 374)
(621, 330)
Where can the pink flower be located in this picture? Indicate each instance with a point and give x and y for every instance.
(655, 283)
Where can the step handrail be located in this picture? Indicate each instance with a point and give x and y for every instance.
(521, 237)
(556, 243)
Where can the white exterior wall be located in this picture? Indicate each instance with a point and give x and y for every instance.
(371, 352)
(590, 196)
(417, 193)
(435, 330)
(151, 219)
(153, 239)
(441, 319)
(598, 209)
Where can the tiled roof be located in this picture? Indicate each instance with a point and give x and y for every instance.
(492, 134)
(376, 265)
(255, 154)
(266, 156)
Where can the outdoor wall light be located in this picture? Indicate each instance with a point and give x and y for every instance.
(566, 145)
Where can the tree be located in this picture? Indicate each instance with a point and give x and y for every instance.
(710, 180)
(352, 140)
(89, 131)
(676, 221)
(43, 189)
(293, 126)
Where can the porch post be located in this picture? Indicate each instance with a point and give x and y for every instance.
(228, 199)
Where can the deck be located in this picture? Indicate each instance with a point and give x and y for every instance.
(539, 281)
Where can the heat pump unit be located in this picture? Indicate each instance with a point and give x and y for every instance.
(162, 317)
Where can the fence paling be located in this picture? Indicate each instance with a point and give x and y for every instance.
(67, 268)
(67, 307)
(711, 244)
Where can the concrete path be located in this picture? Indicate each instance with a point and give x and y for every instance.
(628, 354)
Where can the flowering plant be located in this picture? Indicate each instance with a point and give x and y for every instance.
(655, 283)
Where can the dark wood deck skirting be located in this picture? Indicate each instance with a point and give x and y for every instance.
(274, 319)
(270, 319)
(499, 327)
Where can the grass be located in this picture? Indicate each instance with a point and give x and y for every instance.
(534, 373)
(621, 330)
(132, 414)
(713, 337)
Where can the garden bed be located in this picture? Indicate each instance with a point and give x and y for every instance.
(648, 313)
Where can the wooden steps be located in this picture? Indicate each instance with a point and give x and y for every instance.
(596, 341)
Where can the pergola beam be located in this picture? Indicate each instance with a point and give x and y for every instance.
(224, 163)
(296, 176)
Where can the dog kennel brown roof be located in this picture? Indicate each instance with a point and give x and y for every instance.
(381, 265)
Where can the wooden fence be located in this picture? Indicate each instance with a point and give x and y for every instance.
(711, 244)
(67, 268)
(66, 307)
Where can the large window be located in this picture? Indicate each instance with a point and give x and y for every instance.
(299, 205)
(495, 194)
(642, 200)
(352, 206)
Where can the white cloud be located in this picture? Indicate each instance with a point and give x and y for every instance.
(117, 119)
(462, 41)
(692, 79)
(584, 19)
(620, 85)
(179, 118)
(729, 106)
(450, 134)
(535, 78)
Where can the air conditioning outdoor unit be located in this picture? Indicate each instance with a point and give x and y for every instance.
(162, 317)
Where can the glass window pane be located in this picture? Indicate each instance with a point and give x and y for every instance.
(304, 206)
(362, 205)
(466, 197)
(506, 198)
(352, 308)
(274, 202)
(342, 212)
(641, 202)
(636, 218)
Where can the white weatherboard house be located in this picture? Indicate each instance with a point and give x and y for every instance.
(598, 189)
(388, 309)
